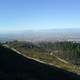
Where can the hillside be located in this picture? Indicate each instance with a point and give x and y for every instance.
(15, 66)
(64, 55)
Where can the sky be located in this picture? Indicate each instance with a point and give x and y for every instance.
(39, 14)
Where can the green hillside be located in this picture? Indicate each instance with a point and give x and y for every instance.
(65, 55)
(15, 66)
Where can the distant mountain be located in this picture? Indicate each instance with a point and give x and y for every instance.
(43, 35)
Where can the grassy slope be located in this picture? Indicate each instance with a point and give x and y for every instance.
(49, 59)
(44, 56)
(15, 66)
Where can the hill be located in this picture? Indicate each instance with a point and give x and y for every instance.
(15, 66)
(65, 55)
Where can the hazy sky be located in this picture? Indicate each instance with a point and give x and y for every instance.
(39, 14)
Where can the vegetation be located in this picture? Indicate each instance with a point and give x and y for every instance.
(15, 66)
(61, 54)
